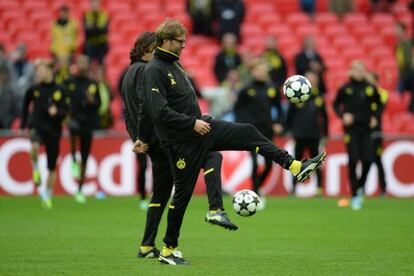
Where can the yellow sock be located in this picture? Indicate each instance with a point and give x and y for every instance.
(214, 211)
(295, 167)
(145, 249)
(166, 251)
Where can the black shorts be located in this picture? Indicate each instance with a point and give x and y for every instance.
(96, 53)
(51, 142)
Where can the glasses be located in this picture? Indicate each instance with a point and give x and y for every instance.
(181, 41)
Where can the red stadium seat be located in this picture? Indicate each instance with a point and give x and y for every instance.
(361, 31)
(323, 19)
(322, 6)
(267, 20)
(297, 19)
(380, 20)
(395, 103)
(370, 42)
(332, 31)
(287, 6)
(260, 8)
(355, 19)
(380, 53)
(250, 30)
(279, 31)
(306, 30)
(343, 42)
(388, 34)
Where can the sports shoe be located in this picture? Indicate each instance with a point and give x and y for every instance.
(47, 203)
(356, 203)
(75, 170)
(309, 166)
(153, 253)
(80, 197)
(36, 178)
(220, 218)
(262, 203)
(175, 258)
(360, 194)
(143, 204)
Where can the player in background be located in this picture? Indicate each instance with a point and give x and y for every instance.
(357, 104)
(50, 106)
(84, 118)
(308, 124)
(187, 137)
(140, 129)
(372, 77)
(254, 106)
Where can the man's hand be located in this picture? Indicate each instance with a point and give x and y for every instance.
(373, 122)
(277, 129)
(52, 110)
(348, 119)
(201, 127)
(140, 147)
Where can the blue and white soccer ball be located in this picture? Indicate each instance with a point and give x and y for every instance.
(297, 89)
(245, 203)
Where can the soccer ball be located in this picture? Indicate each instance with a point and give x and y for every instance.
(297, 89)
(245, 203)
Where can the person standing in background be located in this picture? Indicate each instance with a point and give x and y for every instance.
(278, 68)
(228, 58)
(104, 111)
(201, 13)
(254, 106)
(96, 26)
(357, 103)
(24, 72)
(308, 124)
(64, 35)
(310, 60)
(50, 107)
(230, 15)
(84, 118)
(404, 58)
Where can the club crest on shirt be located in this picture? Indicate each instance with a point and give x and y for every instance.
(271, 92)
(57, 95)
(92, 88)
(181, 163)
(172, 80)
(369, 91)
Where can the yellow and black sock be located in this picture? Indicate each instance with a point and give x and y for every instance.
(145, 248)
(166, 251)
(295, 167)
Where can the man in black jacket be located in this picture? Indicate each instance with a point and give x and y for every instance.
(84, 118)
(358, 105)
(308, 124)
(254, 106)
(310, 60)
(50, 107)
(187, 137)
(228, 58)
(140, 129)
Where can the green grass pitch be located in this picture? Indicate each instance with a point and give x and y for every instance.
(291, 237)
